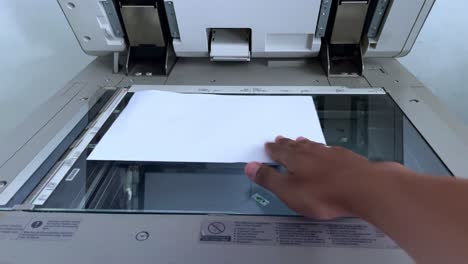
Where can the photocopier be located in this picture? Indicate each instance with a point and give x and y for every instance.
(58, 207)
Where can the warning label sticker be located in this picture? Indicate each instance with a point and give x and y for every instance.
(38, 229)
(350, 234)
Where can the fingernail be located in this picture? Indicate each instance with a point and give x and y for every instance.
(278, 138)
(301, 139)
(251, 169)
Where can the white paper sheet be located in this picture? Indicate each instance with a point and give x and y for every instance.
(173, 127)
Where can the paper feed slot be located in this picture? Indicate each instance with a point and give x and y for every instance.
(230, 44)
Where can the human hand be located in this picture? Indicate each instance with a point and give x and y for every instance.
(321, 182)
(329, 182)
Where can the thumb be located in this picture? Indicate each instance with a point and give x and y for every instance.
(267, 177)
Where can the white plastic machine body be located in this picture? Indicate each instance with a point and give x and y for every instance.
(58, 207)
(279, 29)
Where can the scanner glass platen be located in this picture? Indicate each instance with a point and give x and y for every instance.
(371, 125)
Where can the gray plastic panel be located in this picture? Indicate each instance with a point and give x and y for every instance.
(171, 239)
(203, 72)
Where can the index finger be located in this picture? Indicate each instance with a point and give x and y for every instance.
(280, 150)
